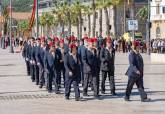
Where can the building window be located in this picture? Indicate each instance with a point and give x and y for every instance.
(157, 9)
(163, 9)
(158, 33)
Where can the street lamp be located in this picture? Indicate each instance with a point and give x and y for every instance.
(11, 44)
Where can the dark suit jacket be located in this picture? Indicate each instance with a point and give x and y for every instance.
(72, 66)
(135, 64)
(40, 54)
(87, 60)
(49, 62)
(107, 60)
(96, 63)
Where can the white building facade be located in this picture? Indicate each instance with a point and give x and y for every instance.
(157, 18)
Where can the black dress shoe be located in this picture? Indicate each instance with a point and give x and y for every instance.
(146, 100)
(49, 91)
(96, 96)
(66, 97)
(57, 92)
(114, 94)
(85, 94)
(40, 86)
(77, 99)
(103, 92)
(126, 99)
(33, 80)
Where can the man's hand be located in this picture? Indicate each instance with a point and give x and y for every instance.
(138, 72)
(70, 73)
(38, 63)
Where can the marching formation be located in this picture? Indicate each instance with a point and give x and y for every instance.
(66, 61)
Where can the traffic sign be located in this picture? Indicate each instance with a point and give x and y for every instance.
(132, 25)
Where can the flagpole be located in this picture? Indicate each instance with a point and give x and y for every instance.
(37, 27)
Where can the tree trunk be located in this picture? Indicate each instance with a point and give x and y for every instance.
(89, 25)
(5, 28)
(41, 30)
(80, 25)
(78, 28)
(94, 18)
(100, 22)
(114, 18)
(70, 26)
(63, 27)
(107, 21)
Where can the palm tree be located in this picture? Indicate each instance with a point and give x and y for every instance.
(99, 6)
(5, 16)
(78, 9)
(115, 3)
(94, 18)
(88, 12)
(47, 19)
(143, 13)
(42, 22)
(106, 4)
(60, 12)
(23, 26)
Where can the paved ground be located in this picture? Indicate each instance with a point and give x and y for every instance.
(18, 95)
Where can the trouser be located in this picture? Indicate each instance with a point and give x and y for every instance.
(59, 76)
(139, 83)
(96, 81)
(56, 81)
(111, 81)
(28, 67)
(32, 72)
(82, 73)
(50, 76)
(41, 75)
(87, 77)
(36, 74)
(68, 83)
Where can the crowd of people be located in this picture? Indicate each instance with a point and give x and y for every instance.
(5, 42)
(89, 61)
(158, 45)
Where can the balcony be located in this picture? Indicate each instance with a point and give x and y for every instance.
(157, 17)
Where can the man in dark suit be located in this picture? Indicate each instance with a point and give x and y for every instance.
(36, 51)
(40, 53)
(95, 68)
(87, 59)
(25, 54)
(81, 48)
(32, 59)
(49, 63)
(72, 74)
(135, 74)
(107, 56)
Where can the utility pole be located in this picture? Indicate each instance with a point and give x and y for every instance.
(133, 17)
(124, 20)
(37, 25)
(11, 44)
(148, 30)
